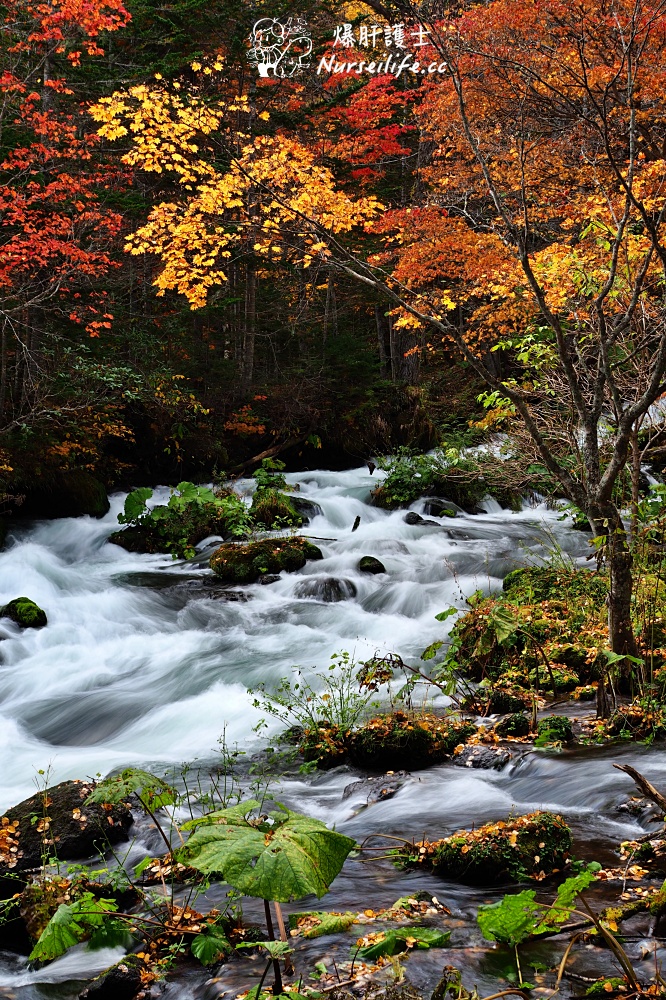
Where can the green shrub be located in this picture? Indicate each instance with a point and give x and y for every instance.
(272, 510)
(192, 513)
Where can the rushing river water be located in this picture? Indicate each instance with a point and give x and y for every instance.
(146, 661)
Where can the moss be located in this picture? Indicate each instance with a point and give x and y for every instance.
(513, 725)
(565, 680)
(271, 510)
(530, 846)
(555, 729)
(247, 563)
(25, 613)
(392, 742)
(400, 740)
(177, 531)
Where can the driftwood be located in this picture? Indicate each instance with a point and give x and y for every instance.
(648, 789)
(269, 453)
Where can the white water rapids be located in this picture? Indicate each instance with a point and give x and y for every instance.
(128, 673)
(143, 663)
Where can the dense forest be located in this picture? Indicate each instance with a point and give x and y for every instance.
(332, 435)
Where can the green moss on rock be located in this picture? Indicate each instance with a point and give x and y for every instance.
(516, 724)
(555, 729)
(521, 847)
(25, 613)
(399, 740)
(247, 563)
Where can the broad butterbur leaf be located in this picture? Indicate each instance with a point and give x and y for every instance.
(276, 949)
(320, 922)
(135, 504)
(289, 858)
(511, 920)
(394, 941)
(153, 791)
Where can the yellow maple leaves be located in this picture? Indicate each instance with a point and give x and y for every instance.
(271, 196)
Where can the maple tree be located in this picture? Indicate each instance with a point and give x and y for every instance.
(543, 234)
(55, 232)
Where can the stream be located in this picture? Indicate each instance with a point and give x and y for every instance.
(147, 661)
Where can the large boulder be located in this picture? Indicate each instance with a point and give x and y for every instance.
(247, 563)
(24, 612)
(56, 822)
(306, 508)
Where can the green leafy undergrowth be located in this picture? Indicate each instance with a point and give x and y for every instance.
(317, 923)
(547, 629)
(191, 514)
(282, 857)
(532, 846)
(272, 510)
(84, 919)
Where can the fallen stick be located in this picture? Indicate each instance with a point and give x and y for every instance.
(648, 789)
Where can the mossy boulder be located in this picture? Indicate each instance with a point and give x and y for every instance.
(25, 613)
(272, 510)
(516, 724)
(555, 729)
(520, 847)
(247, 563)
(56, 822)
(562, 679)
(401, 740)
(395, 741)
(368, 564)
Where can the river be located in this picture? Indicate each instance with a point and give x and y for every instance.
(146, 661)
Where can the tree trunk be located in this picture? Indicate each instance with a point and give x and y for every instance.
(250, 327)
(620, 628)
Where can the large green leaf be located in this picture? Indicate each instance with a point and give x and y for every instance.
(395, 941)
(276, 949)
(211, 946)
(71, 924)
(511, 920)
(61, 932)
(153, 791)
(135, 504)
(289, 858)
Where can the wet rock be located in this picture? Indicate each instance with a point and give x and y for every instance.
(369, 564)
(249, 562)
(25, 613)
(269, 578)
(56, 822)
(516, 724)
(326, 588)
(484, 758)
(379, 787)
(411, 517)
(121, 982)
(306, 508)
(438, 507)
(642, 809)
(401, 740)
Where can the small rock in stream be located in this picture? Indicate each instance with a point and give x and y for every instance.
(121, 982)
(411, 517)
(485, 758)
(368, 564)
(379, 787)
